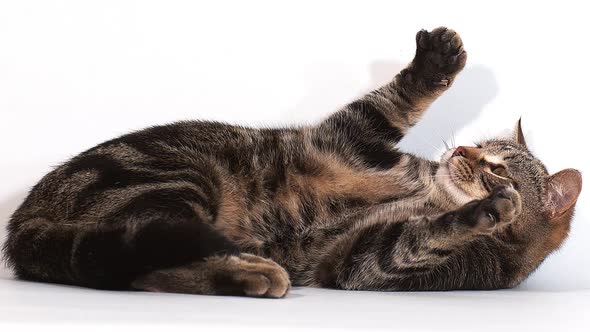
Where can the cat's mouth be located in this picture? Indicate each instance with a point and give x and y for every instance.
(445, 179)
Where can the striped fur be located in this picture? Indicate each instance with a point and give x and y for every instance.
(211, 208)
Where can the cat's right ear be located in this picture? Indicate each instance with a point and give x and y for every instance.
(562, 191)
(518, 135)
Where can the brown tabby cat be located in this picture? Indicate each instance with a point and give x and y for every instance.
(210, 208)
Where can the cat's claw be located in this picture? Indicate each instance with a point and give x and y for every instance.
(439, 56)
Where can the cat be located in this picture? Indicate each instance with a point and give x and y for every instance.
(210, 208)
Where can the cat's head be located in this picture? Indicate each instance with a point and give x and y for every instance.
(469, 173)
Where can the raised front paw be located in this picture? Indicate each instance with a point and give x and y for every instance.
(501, 208)
(439, 57)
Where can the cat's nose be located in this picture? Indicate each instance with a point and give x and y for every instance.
(468, 152)
(460, 152)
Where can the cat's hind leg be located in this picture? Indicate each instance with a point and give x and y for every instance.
(162, 242)
(242, 274)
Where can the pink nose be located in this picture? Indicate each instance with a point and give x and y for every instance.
(460, 151)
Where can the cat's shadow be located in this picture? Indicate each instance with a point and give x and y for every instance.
(328, 86)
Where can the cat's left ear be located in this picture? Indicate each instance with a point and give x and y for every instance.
(562, 191)
(518, 135)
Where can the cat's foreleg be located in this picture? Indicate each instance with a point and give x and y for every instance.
(439, 58)
(368, 129)
(425, 254)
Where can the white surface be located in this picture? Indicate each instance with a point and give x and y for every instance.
(75, 73)
(305, 309)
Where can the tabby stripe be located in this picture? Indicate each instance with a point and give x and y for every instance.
(361, 249)
(389, 238)
(403, 96)
(169, 201)
(378, 123)
(352, 136)
(441, 252)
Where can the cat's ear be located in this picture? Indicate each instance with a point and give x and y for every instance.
(563, 189)
(518, 135)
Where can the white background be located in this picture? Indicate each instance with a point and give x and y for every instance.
(75, 73)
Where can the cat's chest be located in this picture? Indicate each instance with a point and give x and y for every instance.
(409, 180)
(319, 201)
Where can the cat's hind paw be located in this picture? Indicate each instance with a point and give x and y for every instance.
(261, 277)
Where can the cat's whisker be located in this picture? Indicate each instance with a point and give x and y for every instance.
(453, 138)
(446, 145)
(436, 148)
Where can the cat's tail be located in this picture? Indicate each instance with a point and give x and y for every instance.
(36, 249)
(105, 256)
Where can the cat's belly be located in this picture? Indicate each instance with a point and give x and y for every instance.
(296, 244)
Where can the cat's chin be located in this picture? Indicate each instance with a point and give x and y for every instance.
(445, 180)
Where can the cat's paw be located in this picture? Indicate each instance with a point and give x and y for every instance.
(240, 275)
(501, 208)
(439, 57)
(261, 277)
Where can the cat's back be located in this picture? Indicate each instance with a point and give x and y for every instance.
(208, 175)
(177, 155)
(133, 161)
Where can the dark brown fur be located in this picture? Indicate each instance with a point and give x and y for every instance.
(211, 208)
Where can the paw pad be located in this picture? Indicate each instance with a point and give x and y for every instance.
(439, 56)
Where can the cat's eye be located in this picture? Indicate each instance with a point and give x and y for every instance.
(499, 170)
